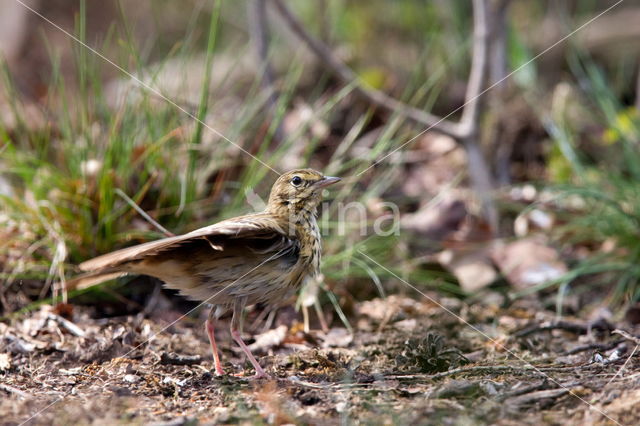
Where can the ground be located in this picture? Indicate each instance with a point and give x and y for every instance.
(408, 361)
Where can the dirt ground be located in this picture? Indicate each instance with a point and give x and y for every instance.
(408, 361)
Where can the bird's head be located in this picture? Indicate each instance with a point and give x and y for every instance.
(299, 190)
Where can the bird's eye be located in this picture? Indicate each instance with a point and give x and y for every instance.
(296, 181)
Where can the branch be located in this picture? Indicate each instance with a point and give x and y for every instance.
(259, 29)
(477, 76)
(638, 89)
(627, 336)
(478, 73)
(479, 172)
(144, 214)
(347, 76)
(498, 43)
(464, 132)
(15, 391)
(260, 37)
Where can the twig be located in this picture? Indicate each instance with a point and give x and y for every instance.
(478, 369)
(259, 29)
(489, 369)
(15, 391)
(501, 146)
(638, 89)
(544, 384)
(591, 346)
(477, 76)
(481, 179)
(144, 214)
(532, 397)
(547, 326)
(347, 76)
(498, 36)
(572, 327)
(334, 386)
(621, 369)
(465, 131)
(479, 66)
(71, 327)
(172, 358)
(627, 336)
(486, 369)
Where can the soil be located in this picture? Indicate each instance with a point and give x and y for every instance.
(408, 361)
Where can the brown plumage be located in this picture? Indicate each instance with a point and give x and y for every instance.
(258, 258)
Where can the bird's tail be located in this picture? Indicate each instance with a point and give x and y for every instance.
(92, 278)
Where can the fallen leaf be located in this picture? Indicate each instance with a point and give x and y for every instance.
(5, 362)
(269, 339)
(436, 222)
(628, 403)
(473, 269)
(535, 219)
(406, 325)
(337, 338)
(528, 262)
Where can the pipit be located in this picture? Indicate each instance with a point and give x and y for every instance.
(258, 258)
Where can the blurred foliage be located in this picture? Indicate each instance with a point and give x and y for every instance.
(65, 172)
(599, 196)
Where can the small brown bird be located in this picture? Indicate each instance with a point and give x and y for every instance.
(258, 258)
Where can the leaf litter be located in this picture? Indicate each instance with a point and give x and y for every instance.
(407, 361)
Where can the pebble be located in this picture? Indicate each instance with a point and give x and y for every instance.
(131, 378)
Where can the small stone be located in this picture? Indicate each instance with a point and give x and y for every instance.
(5, 362)
(132, 378)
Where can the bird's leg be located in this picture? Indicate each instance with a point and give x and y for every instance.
(236, 330)
(266, 318)
(321, 317)
(210, 326)
(260, 319)
(319, 312)
(268, 323)
(305, 319)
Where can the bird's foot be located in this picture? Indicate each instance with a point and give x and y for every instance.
(261, 375)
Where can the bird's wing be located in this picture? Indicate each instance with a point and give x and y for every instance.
(257, 226)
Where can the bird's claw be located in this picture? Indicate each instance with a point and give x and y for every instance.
(261, 376)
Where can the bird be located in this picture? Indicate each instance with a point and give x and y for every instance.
(260, 258)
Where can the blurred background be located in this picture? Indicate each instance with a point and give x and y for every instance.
(518, 174)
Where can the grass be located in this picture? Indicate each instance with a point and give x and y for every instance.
(597, 187)
(67, 173)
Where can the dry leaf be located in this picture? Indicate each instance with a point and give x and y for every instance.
(337, 338)
(473, 269)
(5, 362)
(269, 339)
(528, 262)
(436, 222)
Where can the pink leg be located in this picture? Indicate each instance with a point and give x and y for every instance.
(209, 324)
(236, 328)
(260, 373)
(321, 318)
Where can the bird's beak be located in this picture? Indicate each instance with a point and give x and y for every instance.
(327, 180)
